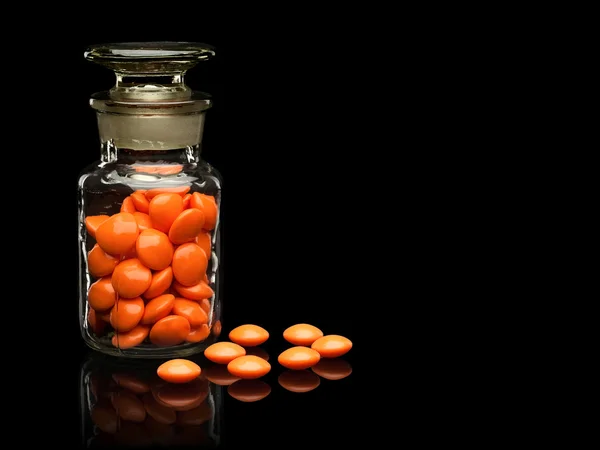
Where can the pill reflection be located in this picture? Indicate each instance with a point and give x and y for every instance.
(218, 374)
(299, 380)
(249, 390)
(332, 369)
(136, 409)
(257, 351)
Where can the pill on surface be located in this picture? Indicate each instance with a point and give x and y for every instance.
(126, 314)
(164, 209)
(178, 371)
(161, 281)
(299, 381)
(117, 234)
(332, 369)
(102, 295)
(198, 291)
(224, 352)
(157, 308)
(154, 249)
(249, 390)
(332, 346)
(161, 413)
(170, 330)
(100, 263)
(190, 310)
(302, 334)
(189, 264)
(198, 334)
(249, 367)
(131, 338)
(186, 226)
(299, 358)
(248, 335)
(131, 278)
(93, 222)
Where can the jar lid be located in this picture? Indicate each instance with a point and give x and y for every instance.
(149, 71)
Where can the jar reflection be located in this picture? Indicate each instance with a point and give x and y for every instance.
(126, 404)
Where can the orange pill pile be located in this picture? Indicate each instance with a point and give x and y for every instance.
(149, 263)
(240, 365)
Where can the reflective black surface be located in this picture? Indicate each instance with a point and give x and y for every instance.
(124, 404)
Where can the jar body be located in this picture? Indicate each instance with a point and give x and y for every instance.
(149, 252)
(127, 405)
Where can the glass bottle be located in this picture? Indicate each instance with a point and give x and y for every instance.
(124, 404)
(149, 209)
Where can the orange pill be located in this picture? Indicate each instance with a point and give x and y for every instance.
(198, 334)
(248, 367)
(186, 226)
(94, 322)
(118, 234)
(160, 413)
(332, 369)
(216, 328)
(249, 390)
(126, 314)
(298, 381)
(101, 295)
(131, 382)
(332, 346)
(100, 263)
(129, 407)
(161, 281)
(131, 338)
(248, 335)
(157, 308)
(204, 241)
(299, 358)
(154, 249)
(198, 291)
(302, 334)
(178, 371)
(170, 330)
(189, 264)
(208, 205)
(219, 375)
(164, 209)
(181, 191)
(140, 202)
(224, 352)
(129, 254)
(205, 305)
(186, 200)
(143, 220)
(127, 205)
(190, 310)
(131, 278)
(93, 222)
(105, 316)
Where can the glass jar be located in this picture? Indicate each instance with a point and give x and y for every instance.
(125, 404)
(149, 209)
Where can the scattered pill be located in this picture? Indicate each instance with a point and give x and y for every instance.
(178, 371)
(299, 358)
(249, 367)
(224, 352)
(332, 346)
(249, 335)
(302, 334)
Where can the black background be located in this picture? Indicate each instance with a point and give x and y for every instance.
(285, 132)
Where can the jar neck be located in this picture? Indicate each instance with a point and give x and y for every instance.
(150, 160)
